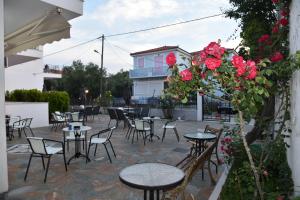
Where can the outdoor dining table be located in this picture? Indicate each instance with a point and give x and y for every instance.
(78, 129)
(152, 177)
(151, 122)
(200, 138)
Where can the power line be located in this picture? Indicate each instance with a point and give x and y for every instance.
(136, 31)
(164, 26)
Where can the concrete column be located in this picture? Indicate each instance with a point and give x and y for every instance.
(199, 108)
(3, 154)
(294, 150)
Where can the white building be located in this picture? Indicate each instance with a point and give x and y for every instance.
(27, 25)
(150, 70)
(30, 74)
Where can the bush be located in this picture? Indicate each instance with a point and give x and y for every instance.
(58, 101)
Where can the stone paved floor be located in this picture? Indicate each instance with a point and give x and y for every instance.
(99, 179)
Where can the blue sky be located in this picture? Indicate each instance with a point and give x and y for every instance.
(117, 16)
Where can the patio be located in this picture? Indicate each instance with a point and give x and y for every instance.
(99, 179)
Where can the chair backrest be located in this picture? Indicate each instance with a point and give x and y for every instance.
(120, 114)
(112, 113)
(137, 112)
(96, 110)
(145, 112)
(28, 122)
(108, 131)
(57, 117)
(139, 124)
(75, 117)
(88, 111)
(218, 132)
(13, 119)
(19, 123)
(37, 145)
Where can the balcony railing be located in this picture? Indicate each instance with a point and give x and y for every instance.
(149, 72)
(52, 69)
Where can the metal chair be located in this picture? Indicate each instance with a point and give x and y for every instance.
(170, 125)
(144, 112)
(88, 111)
(27, 126)
(40, 148)
(121, 116)
(96, 139)
(18, 126)
(141, 128)
(96, 111)
(113, 116)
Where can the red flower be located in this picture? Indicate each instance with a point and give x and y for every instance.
(284, 13)
(252, 72)
(265, 173)
(186, 75)
(264, 38)
(284, 22)
(171, 59)
(275, 1)
(241, 70)
(277, 56)
(275, 29)
(203, 55)
(214, 49)
(203, 75)
(213, 63)
(238, 61)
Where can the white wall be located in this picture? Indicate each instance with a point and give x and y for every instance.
(294, 150)
(37, 110)
(27, 75)
(146, 88)
(3, 154)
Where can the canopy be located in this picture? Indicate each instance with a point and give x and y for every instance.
(48, 29)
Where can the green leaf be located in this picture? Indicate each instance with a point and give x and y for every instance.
(185, 100)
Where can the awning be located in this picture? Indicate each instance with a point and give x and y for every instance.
(50, 28)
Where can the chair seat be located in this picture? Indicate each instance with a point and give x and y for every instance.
(98, 140)
(169, 126)
(53, 150)
(18, 126)
(145, 129)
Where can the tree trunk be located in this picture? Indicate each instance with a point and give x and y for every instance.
(261, 124)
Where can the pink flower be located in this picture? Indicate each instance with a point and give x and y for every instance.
(213, 63)
(186, 75)
(264, 38)
(265, 173)
(284, 22)
(171, 59)
(238, 61)
(227, 139)
(284, 13)
(275, 29)
(203, 55)
(276, 57)
(214, 49)
(240, 71)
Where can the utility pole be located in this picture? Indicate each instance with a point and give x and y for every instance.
(101, 68)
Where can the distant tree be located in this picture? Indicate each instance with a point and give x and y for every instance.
(120, 85)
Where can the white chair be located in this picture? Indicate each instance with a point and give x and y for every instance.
(40, 148)
(57, 120)
(18, 126)
(141, 127)
(170, 125)
(96, 139)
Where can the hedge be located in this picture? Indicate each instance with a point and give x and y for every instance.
(58, 101)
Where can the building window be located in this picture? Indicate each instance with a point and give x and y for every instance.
(140, 62)
(159, 61)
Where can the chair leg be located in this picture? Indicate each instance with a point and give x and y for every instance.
(24, 130)
(28, 167)
(68, 146)
(43, 162)
(46, 173)
(65, 162)
(31, 131)
(112, 148)
(133, 136)
(95, 149)
(144, 138)
(109, 123)
(127, 132)
(176, 133)
(163, 137)
(107, 153)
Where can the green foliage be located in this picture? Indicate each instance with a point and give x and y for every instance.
(166, 102)
(105, 100)
(58, 101)
(275, 173)
(120, 84)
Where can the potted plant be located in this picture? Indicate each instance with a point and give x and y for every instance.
(167, 105)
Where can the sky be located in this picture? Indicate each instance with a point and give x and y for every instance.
(117, 16)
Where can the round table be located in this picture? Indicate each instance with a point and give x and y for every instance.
(199, 138)
(78, 128)
(152, 177)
